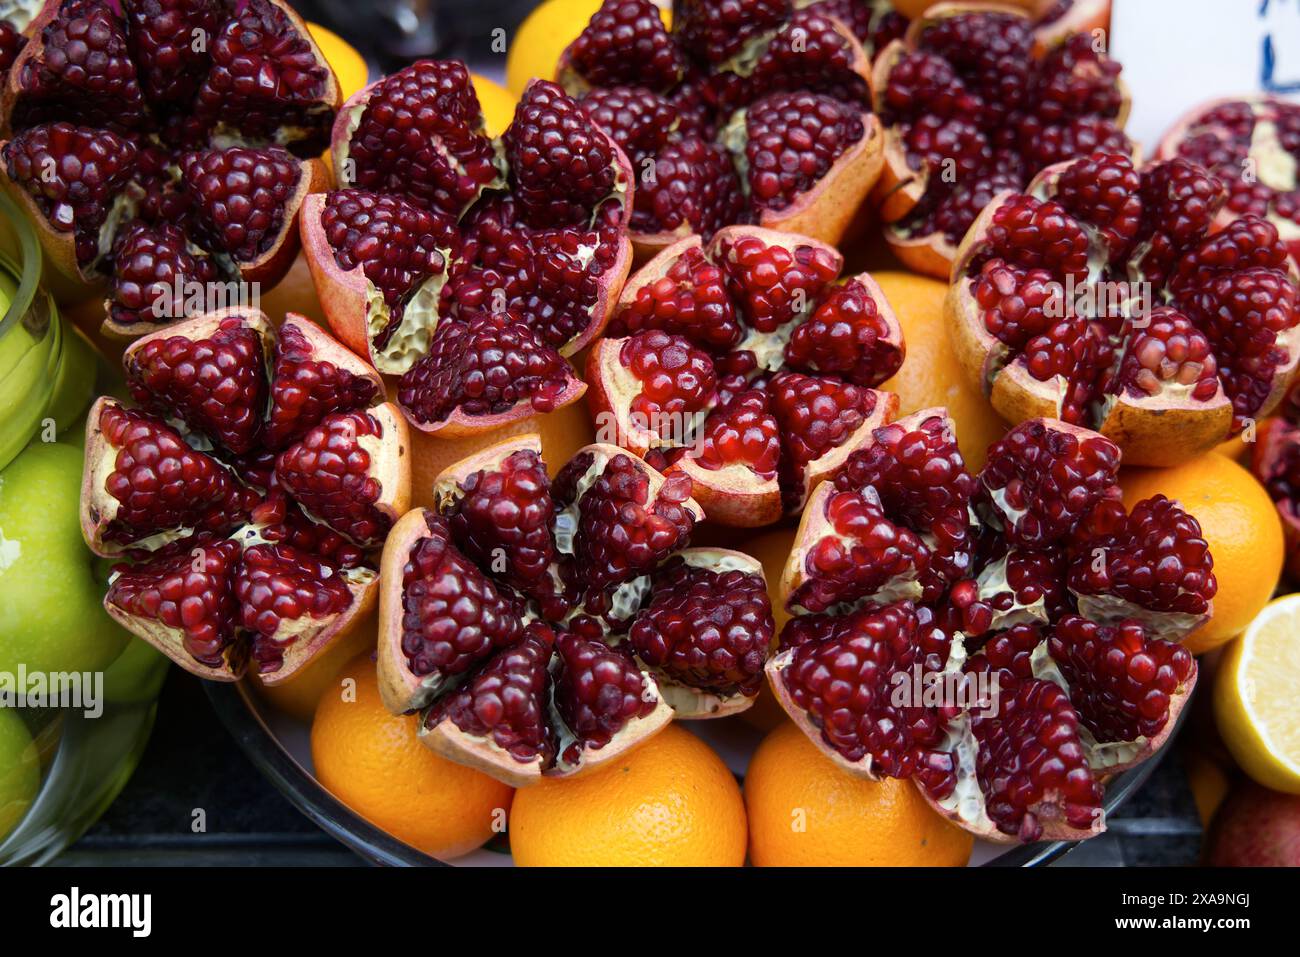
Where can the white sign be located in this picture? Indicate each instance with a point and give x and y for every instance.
(1179, 53)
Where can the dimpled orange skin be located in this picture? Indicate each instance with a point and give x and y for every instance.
(670, 802)
(373, 762)
(806, 812)
(1242, 527)
(931, 375)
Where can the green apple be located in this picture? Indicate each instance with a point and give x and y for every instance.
(51, 586)
(20, 770)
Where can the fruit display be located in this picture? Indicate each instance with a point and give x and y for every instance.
(248, 493)
(747, 366)
(466, 265)
(1031, 577)
(547, 627)
(742, 113)
(1275, 460)
(979, 99)
(151, 164)
(1107, 296)
(1251, 145)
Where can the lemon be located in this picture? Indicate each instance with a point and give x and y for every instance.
(496, 102)
(349, 66)
(1255, 692)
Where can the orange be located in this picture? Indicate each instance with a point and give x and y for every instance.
(931, 375)
(349, 66)
(1238, 520)
(563, 432)
(772, 549)
(670, 802)
(497, 103)
(1209, 783)
(804, 811)
(294, 293)
(373, 763)
(298, 695)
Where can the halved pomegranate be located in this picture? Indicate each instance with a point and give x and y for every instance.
(1251, 145)
(976, 100)
(745, 112)
(1103, 297)
(744, 364)
(469, 266)
(249, 491)
(159, 163)
(546, 627)
(1009, 640)
(15, 22)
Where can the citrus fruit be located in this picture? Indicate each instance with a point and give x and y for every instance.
(1239, 522)
(806, 812)
(374, 763)
(349, 66)
(670, 802)
(497, 103)
(20, 770)
(1208, 781)
(294, 293)
(1255, 694)
(931, 375)
(298, 696)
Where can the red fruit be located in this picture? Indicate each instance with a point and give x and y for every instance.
(287, 573)
(1275, 460)
(1179, 339)
(12, 42)
(155, 271)
(837, 677)
(706, 629)
(1240, 143)
(217, 385)
(785, 83)
(524, 614)
(183, 601)
(976, 102)
(1255, 827)
(117, 113)
(754, 443)
(1152, 565)
(1124, 684)
(625, 42)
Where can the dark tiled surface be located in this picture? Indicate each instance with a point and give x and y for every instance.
(192, 764)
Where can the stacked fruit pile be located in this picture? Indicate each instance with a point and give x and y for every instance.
(988, 646)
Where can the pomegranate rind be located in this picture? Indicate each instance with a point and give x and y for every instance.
(461, 425)
(775, 669)
(1083, 16)
(818, 470)
(399, 688)
(1273, 440)
(735, 495)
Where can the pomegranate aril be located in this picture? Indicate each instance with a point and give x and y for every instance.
(305, 388)
(241, 197)
(791, 140)
(706, 629)
(186, 587)
(216, 385)
(1039, 234)
(772, 284)
(847, 336)
(453, 616)
(676, 379)
(161, 37)
(691, 182)
(598, 688)
(329, 472)
(744, 432)
(155, 272)
(690, 300)
(626, 42)
(508, 699)
(714, 30)
(276, 584)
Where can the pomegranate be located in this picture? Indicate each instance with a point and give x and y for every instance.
(743, 364)
(15, 18)
(1008, 640)
(977, 100)
(247, 492)
(744, 113)
(157, 165)
(1104, 296)
(469, 266)
(545, 627)
(1255, 827)
(1275, 460)
(1251, 145)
